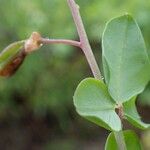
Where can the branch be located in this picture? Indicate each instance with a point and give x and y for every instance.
(60, 41)
(85, 46)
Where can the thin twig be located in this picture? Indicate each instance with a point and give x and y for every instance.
(84, 40)
(60, 41)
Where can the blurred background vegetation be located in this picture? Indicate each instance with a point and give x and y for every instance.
(36, 107)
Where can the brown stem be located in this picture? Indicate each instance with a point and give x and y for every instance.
(60, 41)
(120, 111)
(84, 40)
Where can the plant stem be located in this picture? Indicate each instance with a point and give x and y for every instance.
(119, 135)
(120, 140)
(60, 41)
(85, 46)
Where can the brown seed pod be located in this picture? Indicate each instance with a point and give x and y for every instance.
(13, 64)
(13, 56)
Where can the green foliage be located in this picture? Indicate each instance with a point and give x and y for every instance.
(127, 70)
(132, 115)
(36, 83)
(93, 102)
(144, 98)
(20, 18)
(131, 141)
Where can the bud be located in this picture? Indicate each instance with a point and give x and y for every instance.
(11, 58)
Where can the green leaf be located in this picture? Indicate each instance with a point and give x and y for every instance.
(128, 67)
(93, 102)
(111, 143)
(106, 70)
(131, 140)
(132, 115)
(144, 98)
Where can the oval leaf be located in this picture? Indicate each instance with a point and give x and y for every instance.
(132, 115)
(126, 57)
(131, 140)
(11, 58)
(93, 102)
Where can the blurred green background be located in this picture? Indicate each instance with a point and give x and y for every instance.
(36, 107)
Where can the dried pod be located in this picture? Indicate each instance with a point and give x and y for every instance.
(11, 58)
